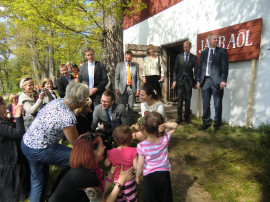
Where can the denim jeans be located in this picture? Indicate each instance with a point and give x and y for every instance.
(39, 161)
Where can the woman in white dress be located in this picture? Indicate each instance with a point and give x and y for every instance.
(150, 101)
(153, 72)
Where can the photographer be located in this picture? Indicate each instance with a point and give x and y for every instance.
(32, 102)
(47, 88)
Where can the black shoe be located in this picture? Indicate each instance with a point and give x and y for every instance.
(216, 129)
(178, 121)
(188, 121)
(204, 127)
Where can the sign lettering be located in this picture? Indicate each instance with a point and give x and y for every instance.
(242, 41)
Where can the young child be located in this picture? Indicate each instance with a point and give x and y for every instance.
(153, 158)
(126, 156)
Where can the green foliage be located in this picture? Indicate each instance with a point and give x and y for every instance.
(49, 33)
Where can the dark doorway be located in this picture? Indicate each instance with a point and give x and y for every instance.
(172, 50)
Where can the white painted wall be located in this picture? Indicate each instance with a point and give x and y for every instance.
(190, 17)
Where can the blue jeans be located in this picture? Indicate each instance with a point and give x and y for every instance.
(39, 161)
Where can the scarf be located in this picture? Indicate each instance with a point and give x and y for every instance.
(99, 174)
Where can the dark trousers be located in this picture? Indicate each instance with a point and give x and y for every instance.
(153, 81)
(157, 187)
(184, 91)
(208, 89)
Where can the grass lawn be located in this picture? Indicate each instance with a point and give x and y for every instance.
(231, 165)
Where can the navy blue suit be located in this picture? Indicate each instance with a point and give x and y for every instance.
(100, 79)
(211, 85)
(185, 78)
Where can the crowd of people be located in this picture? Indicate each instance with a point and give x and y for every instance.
(87, 116)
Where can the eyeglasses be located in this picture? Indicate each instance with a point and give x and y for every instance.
(105, 102)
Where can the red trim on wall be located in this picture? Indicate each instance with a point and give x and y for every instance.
(153, 7)
(242, 41)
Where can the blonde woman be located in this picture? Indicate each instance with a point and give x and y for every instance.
(84, 117)
(12, 106)
(153, 72)
(32, 102)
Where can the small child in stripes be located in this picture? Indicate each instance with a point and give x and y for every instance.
(126, 156)
(153, 159)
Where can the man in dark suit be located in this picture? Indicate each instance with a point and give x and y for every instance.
(127, 82)
(110, 115)
(212, 78)
(94, 74)
(185, 68)
(63, 80)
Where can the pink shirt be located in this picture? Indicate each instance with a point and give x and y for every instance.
(13, 111)
(120, 157)
(155, 155)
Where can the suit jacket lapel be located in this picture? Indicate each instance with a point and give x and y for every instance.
(132, 70)
(95, 70)
(124, 72)
(215, 53)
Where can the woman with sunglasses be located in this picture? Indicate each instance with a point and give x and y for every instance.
(84, 181)
(15, 174)
(32, 102)
(40, 143)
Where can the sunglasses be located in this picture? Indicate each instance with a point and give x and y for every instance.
(27, 79)
(89, 136)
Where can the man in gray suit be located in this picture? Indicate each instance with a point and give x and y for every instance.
(185, 68)
(212, 78)
(109, 115)
(127, 82)
(94, 74)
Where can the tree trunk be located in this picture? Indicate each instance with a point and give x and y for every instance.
(112, 42)
(1, 83)
(51, 64)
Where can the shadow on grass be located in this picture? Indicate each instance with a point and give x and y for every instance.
(237, 156)
(181, 182)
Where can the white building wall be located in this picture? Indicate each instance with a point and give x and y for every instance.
(190, 17)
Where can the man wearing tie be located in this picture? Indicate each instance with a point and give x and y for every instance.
(212, 78)
(63, 80)
(94, 74)
(185, 68)
(109, 115)
(127, 82)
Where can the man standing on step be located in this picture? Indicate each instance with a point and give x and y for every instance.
(127, 82)
(185, 68)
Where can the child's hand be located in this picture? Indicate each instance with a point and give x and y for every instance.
(107, 163)
(113, 168)
(137, 180)
(135, 127)
(139, 136)
(161, 128)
